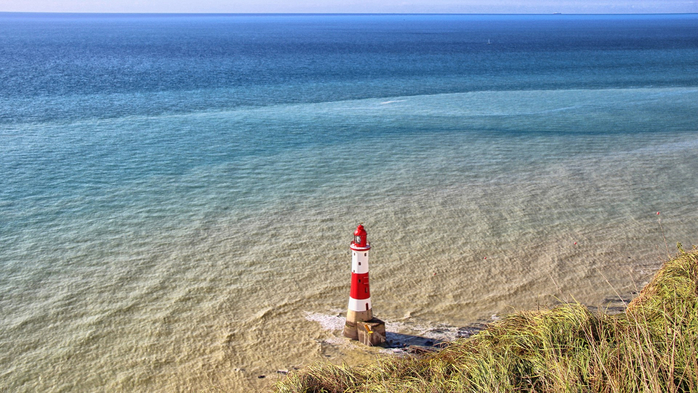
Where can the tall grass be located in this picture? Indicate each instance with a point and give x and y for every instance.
(652, 347)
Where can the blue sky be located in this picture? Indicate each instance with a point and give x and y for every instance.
(355, 6)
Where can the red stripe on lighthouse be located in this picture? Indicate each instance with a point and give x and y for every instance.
(359, 286)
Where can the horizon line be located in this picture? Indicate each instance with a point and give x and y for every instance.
(336, 13)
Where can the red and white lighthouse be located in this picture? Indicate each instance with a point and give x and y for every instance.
(360, 324)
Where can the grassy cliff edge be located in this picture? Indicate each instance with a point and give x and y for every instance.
(653, 346)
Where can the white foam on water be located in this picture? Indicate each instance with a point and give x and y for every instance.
(328, 322)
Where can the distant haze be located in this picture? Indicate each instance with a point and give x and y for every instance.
(354, 6)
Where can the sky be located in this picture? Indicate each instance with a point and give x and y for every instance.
(356, 6)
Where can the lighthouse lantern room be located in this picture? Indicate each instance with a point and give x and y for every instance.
(360, 324)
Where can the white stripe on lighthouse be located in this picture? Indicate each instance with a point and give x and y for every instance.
(359, 305)
(359, 262)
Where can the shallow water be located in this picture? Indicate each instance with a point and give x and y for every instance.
(175, 239)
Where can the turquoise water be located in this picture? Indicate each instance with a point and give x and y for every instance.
(177, 193)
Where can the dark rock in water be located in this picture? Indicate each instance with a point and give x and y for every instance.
(611, 300)
(470, 330)
(419, 350)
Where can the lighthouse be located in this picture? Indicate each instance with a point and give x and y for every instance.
(360, 324)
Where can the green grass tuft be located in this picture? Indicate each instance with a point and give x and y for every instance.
(652, 347)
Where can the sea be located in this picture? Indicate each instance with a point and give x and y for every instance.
(178, 192)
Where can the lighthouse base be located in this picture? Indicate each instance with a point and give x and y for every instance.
(354, 317)
(369, 333)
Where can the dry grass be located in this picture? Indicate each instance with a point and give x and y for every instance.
(652, 347)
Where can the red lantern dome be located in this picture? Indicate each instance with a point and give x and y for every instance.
(360, 241)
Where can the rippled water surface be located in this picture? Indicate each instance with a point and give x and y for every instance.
(178, 193)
